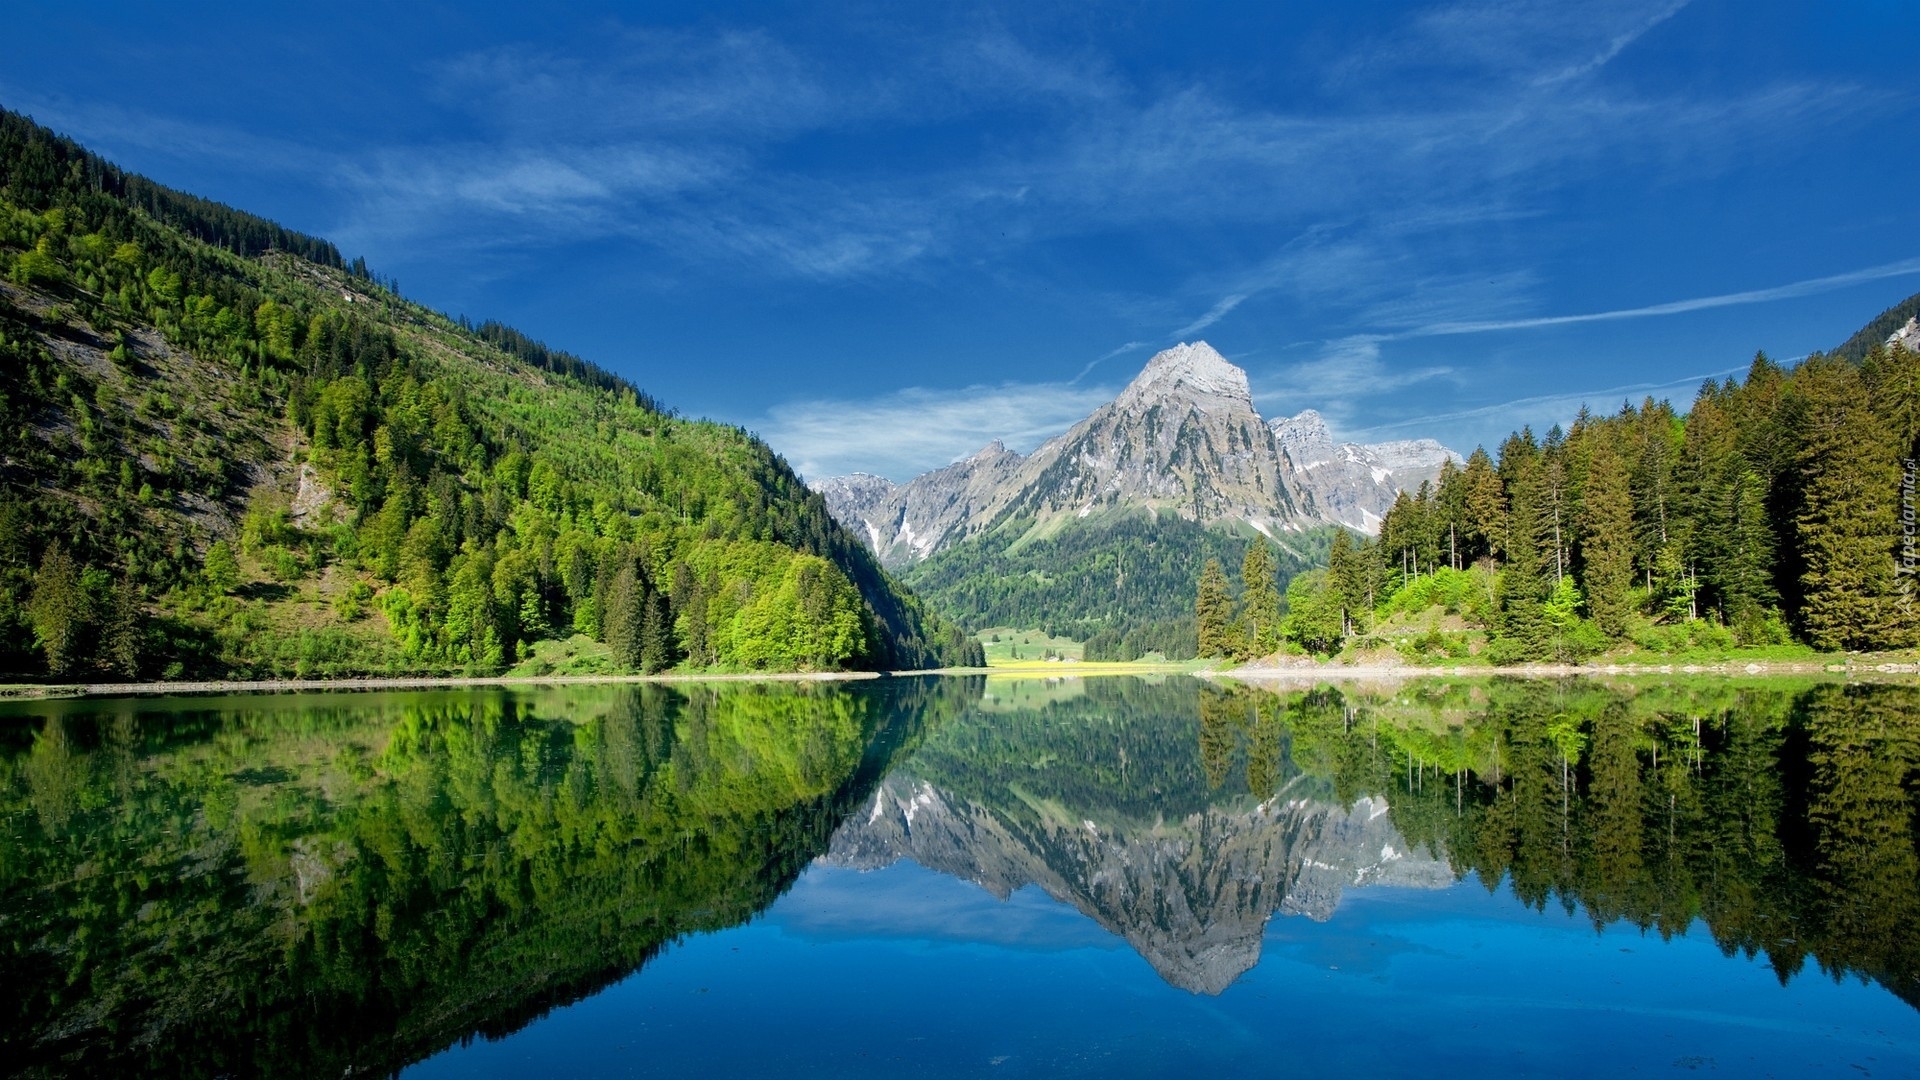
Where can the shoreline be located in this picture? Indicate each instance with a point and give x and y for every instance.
(1305, 672)
(1274, 673)
(31, 691)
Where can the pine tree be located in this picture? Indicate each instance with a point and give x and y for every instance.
(1260, 599)
(1213, 611)
(1847, 526)
(1607, 545)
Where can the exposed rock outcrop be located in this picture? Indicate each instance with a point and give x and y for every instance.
(1355, 483)
(1182, 438)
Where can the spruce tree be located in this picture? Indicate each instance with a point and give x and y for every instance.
(1607, 544)
(1260, 599)
(1847, 527)
(1213, 611)
(126, 625)
(1450, 514)
(624, 619)
(1347, 566)
(1485, 506)
(656, 634)
(1520, 619)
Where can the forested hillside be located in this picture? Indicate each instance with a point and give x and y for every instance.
(1121, 581)
(1778, 508)
(225, 450)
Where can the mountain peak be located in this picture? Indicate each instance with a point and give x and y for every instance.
(1197, 368)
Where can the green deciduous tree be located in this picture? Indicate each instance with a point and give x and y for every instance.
(59, 609)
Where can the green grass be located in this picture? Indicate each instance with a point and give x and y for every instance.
(1006, 645)
(577, 655)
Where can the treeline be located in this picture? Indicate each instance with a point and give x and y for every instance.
(1772, 511)
(1121, 582)
(40, 169)
(152, 386)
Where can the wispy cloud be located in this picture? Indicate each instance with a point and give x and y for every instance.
(1118, 350)
(1809, 287)
(1543, 410)
(1614, 47)
(1338, 382)
(1214, 314)
(907, 432)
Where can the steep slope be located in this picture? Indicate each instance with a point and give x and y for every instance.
(224, 450)
(910, 521)
(1354, 483)
(1900, 322)
(1182, 439)
(1102, 531)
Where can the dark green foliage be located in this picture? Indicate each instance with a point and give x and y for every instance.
(1126, 572)
(1213, 612)
(1873, 335)
(1607, 542)
(1848, 521)
(1775, 505)
(1259, 600)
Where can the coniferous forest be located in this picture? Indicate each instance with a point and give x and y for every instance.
(227, 451)
(1777, 510)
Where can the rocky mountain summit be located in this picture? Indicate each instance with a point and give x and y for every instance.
(1355, 483)
(1191, 896)
(1182, 438)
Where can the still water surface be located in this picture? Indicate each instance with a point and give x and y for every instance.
(958, 877)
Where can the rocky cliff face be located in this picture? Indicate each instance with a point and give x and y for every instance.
(1192, 897)
(1355, 483)
(904, 523)
(1183, 438)
(1907, 336)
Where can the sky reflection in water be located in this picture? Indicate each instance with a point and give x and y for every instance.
(1401, 981)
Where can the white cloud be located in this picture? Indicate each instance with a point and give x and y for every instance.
(905, 433)
(1347, 373)
(1809, 287)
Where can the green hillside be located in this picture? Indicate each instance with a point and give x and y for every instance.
(1876, 333)
(225, 450)
(1121, 581)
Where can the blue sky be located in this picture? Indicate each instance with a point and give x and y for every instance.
(881, 235)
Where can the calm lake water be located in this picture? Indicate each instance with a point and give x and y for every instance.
(964, 877)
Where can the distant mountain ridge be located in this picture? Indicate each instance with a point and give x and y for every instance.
(1354, 483)
(1182, 438)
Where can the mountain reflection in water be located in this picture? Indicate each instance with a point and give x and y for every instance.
(327, 883)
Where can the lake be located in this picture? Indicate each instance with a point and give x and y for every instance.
(967, 877)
